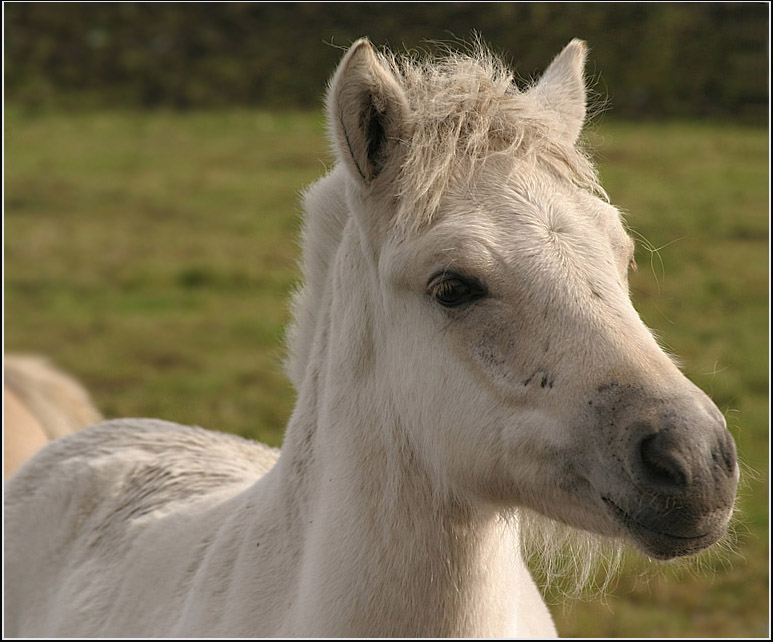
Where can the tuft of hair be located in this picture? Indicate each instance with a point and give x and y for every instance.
(565, 561)
(569, 564)
(466, 108)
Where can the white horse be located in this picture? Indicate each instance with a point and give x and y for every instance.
(464, 350)
(40, 403)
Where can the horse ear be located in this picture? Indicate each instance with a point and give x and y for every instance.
(367, 110)
(562, 87)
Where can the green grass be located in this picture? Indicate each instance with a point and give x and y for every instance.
(152, 255)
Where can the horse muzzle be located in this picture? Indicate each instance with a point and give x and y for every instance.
(673, 485)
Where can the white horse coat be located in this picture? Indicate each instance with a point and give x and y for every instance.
(464, 350)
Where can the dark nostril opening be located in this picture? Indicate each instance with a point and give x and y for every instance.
(661, 464)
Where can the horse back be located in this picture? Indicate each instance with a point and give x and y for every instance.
(82, 501)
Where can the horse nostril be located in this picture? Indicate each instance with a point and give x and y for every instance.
(662, 468)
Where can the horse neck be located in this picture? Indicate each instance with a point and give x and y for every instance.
(383, 551)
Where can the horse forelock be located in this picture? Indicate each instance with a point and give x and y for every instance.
(465, 108)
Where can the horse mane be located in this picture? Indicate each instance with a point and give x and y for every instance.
(466, 108)
(324, 218)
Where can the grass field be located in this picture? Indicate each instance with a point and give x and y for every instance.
(152, 254)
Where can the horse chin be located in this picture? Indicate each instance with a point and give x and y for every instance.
(654, 540)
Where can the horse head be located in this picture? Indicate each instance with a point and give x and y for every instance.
(494, 272)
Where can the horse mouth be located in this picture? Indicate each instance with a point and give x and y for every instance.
(659, 544)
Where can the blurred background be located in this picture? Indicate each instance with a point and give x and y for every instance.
(154, 153)
(674, 59)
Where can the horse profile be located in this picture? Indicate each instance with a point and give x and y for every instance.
(40, 403)
(465, 354)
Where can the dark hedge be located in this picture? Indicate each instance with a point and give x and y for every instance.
(647, 59)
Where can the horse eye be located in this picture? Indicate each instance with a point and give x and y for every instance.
(451, 290)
